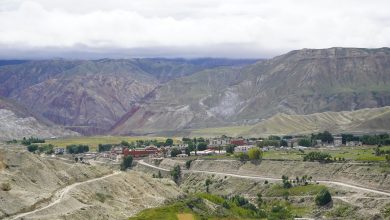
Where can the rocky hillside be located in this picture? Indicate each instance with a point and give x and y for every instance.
(91, 96)
(299, 82)
(165, 96)
(50, 188)
(17, 122)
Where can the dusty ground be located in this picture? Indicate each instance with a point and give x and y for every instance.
(349, 202)
(47, 188)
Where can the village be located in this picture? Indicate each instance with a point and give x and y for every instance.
(201, 147)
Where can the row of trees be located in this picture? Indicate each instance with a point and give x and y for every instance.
(77, 148)
(46, 148)
(32, 140)
(104, 147)
(142, 143)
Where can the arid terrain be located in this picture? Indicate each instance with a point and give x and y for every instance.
(48, 188)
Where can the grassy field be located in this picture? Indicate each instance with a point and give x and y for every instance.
(362, 154)
(94, 141)
(359, 154)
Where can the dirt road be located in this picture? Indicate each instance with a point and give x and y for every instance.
(328, 182)
(59, 195)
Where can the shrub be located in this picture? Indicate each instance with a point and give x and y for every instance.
(242, 156)
(5, 186)
(317, 156)
(32, 147)
(255, 154)
(188, 164)
(323, 197)
(47, 149)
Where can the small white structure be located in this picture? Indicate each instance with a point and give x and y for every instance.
(202, 153)
(243, 148)
(218, 142)
(59, 150)
(182, 155)
(353, 143)
(337, 141)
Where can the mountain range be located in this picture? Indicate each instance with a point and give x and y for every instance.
(169, 96)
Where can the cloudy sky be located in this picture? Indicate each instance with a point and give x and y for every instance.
(187, 28)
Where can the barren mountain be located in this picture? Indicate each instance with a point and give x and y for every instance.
(16, 123)
(299, 82)
(364, 120)
(91, 96)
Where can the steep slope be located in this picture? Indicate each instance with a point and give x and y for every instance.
(364, 120)
(91, 96)
(300, 82)
(50, 188)
(16, 122)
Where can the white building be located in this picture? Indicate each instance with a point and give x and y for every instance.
(219, 142)
(337, 141)
(243, 148)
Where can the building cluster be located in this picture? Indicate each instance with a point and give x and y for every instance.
(215, 146)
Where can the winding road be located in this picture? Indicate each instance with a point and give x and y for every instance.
(328, 182)
(59, 195)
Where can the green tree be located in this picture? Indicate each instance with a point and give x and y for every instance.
(175, 152)
(168, 142)
(323, 197)
(104, 147)
(304, 142)
(283, 143)
(126, 162)
(230, 148)
(176, 174)
(202, 146)
(255, 153)
(327, 137)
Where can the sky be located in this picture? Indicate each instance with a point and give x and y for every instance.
(187, 28)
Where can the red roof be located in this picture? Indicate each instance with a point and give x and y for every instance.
(238, 142)
(140, 153)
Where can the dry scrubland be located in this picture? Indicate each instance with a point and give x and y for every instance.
(36, 182)
(348, 203)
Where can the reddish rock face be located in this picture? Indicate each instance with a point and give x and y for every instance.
(92, 96)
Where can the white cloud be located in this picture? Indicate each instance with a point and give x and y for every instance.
(229, 28)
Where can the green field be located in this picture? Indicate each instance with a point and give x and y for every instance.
(94, 141)
(209, 206)
(363, 153)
